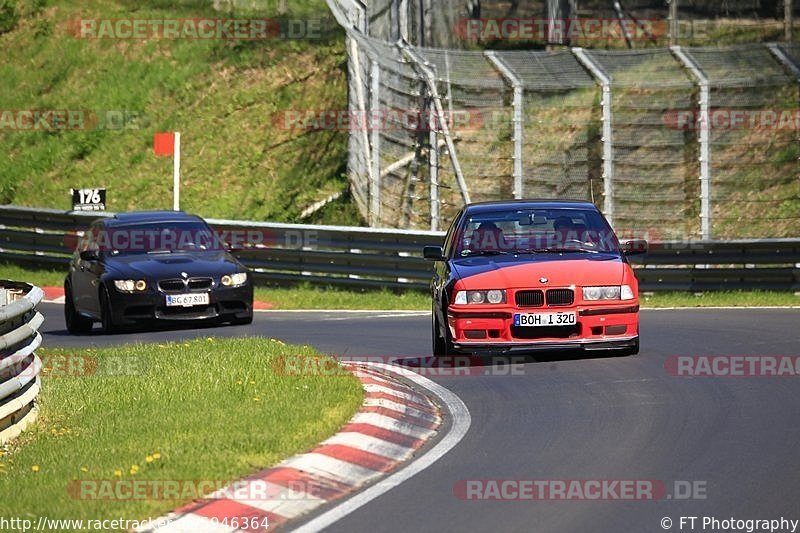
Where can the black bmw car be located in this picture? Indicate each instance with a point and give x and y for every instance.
(142, 267)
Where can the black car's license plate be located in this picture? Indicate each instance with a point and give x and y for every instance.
(187, 300)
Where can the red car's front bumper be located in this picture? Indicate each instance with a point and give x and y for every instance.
(598, 327)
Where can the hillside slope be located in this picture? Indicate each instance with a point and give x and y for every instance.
(223, 95)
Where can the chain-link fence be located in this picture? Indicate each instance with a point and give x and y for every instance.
(673, 142)
(653, 181)
(595, 23)
(752, 139)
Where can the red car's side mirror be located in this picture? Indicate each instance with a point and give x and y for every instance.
(634, 247)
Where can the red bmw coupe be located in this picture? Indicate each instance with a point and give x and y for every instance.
(530, 275)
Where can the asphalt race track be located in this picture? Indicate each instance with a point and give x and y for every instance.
(570, 418)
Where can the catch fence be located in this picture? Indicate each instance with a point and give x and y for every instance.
(672, 142)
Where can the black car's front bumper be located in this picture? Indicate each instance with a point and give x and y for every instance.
(225, 303)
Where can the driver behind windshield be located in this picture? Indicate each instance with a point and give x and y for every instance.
(488, 238)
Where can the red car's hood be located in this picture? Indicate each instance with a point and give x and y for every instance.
(509, 272)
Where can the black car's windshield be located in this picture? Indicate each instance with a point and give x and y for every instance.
(535, 231)
(155, 238)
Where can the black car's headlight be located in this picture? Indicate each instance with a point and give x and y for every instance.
(494, 296)
(234, 280)
(130, 285)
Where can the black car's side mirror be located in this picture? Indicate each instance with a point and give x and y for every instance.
(433, 253)
(90, 255)
(232, 248)
(634, 247)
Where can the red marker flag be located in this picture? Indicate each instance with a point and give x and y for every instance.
(164, 144)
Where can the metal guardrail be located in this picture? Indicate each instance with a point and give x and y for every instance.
(369, 257)
(19, 365)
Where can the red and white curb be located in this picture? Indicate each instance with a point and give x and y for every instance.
(392, 425)
(54, 295)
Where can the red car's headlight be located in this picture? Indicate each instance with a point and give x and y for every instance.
(492, 296)
(608, 292)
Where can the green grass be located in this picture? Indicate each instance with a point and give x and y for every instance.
(37, 276)
(224, 96)
(315, 297)
(209, 409)
(719, 299)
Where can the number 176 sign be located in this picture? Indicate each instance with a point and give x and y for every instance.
(88, 199)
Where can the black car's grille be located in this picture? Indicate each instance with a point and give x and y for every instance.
(560, 297)
(529, 298)
(198, 284)
(179, 285)
(171, 285)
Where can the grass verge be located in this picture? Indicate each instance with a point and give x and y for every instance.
(720, 299)
(41, 277)
(306, 296)
(207, 409)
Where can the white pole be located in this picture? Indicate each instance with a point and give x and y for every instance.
(608, 130)
(705, 139)
(517, 120)
(176, 174)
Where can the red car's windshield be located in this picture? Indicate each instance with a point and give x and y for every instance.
(535, 231)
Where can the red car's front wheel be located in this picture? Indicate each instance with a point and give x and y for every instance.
(442, 345)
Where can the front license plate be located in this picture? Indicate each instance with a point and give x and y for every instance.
(545, 319)
(187, 300)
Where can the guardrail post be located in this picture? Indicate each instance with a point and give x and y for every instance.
(362, 112)
(608, 132)
(433, 164)
(375, 112)
(517, 120)
(787, 62)
(705, 139)
(430, 80)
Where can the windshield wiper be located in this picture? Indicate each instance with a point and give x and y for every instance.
(486, 252)
(160, 251)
